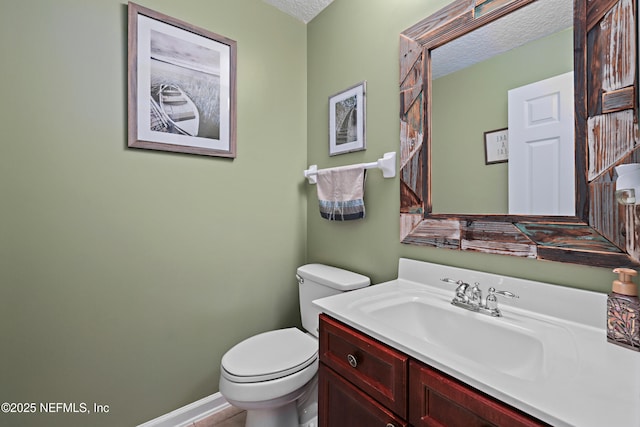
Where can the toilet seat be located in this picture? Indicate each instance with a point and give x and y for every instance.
(270, 355)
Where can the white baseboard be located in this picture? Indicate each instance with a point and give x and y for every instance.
(186, 415)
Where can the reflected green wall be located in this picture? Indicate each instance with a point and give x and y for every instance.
(126, 274)
(472, 101)
(355, 40)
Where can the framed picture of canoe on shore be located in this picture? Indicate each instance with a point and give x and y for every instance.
(182, 86)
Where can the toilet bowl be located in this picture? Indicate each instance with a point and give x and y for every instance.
(270, 386)
(273, 375)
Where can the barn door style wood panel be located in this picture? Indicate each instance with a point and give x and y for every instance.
(602, 233)
(612, 121)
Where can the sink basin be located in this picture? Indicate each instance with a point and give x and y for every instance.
(521, 347)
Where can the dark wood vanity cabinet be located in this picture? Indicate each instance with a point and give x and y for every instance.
(361, 380)
(342, 404)
(364, 383)
(439, 400)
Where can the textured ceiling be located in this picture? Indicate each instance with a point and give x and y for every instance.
(304, 10)
(534, 21)
(538, 19)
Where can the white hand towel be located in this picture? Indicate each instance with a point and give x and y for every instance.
(341, 192)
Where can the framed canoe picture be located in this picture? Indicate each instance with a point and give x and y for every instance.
(182, 86)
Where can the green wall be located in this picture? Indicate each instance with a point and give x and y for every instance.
(125, 274)
(355, 40)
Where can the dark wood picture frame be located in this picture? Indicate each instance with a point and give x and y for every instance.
(181, 86)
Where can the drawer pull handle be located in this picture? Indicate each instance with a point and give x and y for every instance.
(390, 425)
(352, 360)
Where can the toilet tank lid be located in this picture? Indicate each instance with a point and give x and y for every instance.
(333, 277)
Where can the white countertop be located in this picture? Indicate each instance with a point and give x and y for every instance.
(588, 382)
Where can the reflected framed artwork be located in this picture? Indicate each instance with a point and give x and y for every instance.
(182, 86)
(347, 112)
(496, 146)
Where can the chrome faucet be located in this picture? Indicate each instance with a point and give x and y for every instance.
(475, 295)
(470, 298)
(461, 291)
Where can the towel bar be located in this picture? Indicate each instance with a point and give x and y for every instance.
(387, 163)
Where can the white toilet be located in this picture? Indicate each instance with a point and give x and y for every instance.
(273, 375)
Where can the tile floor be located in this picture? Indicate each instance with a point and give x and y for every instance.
(230, 417)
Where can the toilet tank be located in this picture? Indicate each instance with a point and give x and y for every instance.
(318, 281)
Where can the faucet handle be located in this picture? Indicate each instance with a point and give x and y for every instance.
(508, 294)
(492, 302)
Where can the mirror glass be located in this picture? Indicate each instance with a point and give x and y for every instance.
(472, 76)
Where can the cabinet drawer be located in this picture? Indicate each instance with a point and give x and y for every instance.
(438, 400)
(376, 369)
(342, 404)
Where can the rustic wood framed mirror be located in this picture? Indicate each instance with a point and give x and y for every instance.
(602, 232)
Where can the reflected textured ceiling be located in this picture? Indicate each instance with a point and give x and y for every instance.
(304, 10)
(538, 19)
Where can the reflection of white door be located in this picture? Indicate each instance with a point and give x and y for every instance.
(541, 148)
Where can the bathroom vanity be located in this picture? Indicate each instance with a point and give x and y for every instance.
(400, 353)
(357, 372)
